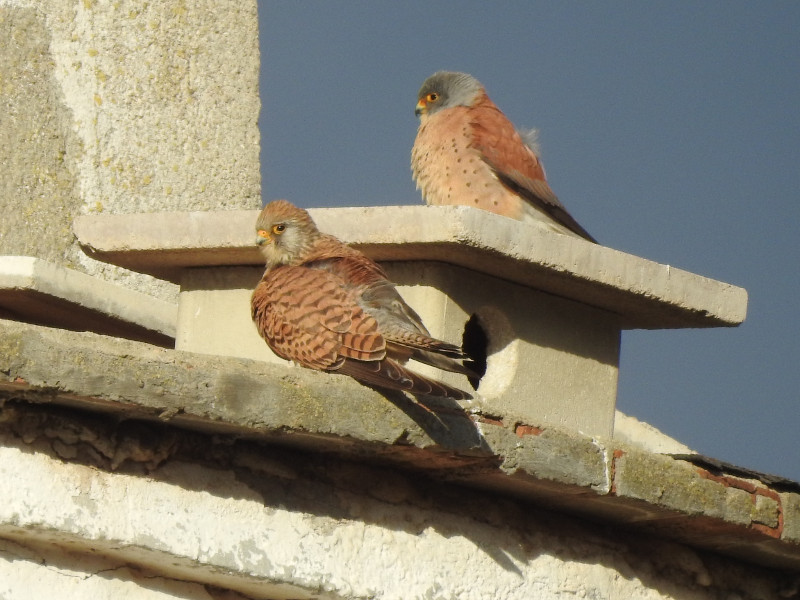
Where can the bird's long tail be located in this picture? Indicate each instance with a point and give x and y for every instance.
(389, 374)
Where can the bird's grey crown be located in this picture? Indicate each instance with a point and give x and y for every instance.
(454, 89)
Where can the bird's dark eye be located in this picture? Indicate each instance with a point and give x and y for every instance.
(432, 97)
(280, 228)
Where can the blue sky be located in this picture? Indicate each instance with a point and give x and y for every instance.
(670, 130)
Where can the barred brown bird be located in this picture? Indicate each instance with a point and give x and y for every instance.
(328, 307)
(468, 153)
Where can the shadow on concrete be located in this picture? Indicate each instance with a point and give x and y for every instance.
(442, 419)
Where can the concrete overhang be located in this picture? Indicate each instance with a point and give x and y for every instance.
(38, 291)
(643, 293)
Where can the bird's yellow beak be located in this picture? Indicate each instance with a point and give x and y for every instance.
(262, 237)
(422, 107)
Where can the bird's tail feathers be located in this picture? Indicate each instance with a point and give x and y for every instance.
(389, 374)
(430, 351)
(445, 362)
(415, 341)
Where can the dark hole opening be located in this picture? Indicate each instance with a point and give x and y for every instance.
(474, 343)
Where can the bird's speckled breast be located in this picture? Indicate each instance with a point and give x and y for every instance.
(448, 170)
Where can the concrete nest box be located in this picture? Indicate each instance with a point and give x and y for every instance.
(542, 311)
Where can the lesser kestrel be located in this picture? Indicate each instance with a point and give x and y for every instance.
(468, 153)
(328, 307)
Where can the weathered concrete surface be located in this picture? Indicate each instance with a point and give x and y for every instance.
(644, 294)
(715, 500)
(791, 522)
(214, 314)
(267, 522)
(464, 444)
(633, 432)
(37, 291)
(39, 149)
(123, 107)
(220, 394)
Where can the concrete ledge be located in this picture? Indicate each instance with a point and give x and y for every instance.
(463, 444)
(35, 290)
(645, 294)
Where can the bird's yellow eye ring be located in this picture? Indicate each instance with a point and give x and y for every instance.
(279, 228)
(432, 97)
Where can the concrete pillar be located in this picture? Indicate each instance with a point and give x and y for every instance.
(118, 107)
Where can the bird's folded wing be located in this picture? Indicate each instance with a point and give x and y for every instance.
(306, 315)
(516, 165)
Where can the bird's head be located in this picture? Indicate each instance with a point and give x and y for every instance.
(445, 89)
(285, 233)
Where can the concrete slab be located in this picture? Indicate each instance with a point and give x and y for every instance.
(644, 294)
(38, 291)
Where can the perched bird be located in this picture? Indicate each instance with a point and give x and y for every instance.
(468, 153)
(328, 307)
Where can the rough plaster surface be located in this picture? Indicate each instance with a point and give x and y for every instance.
(164, 98)
(270, 523)
(123, 107)
(34, 572)
(39, 149)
